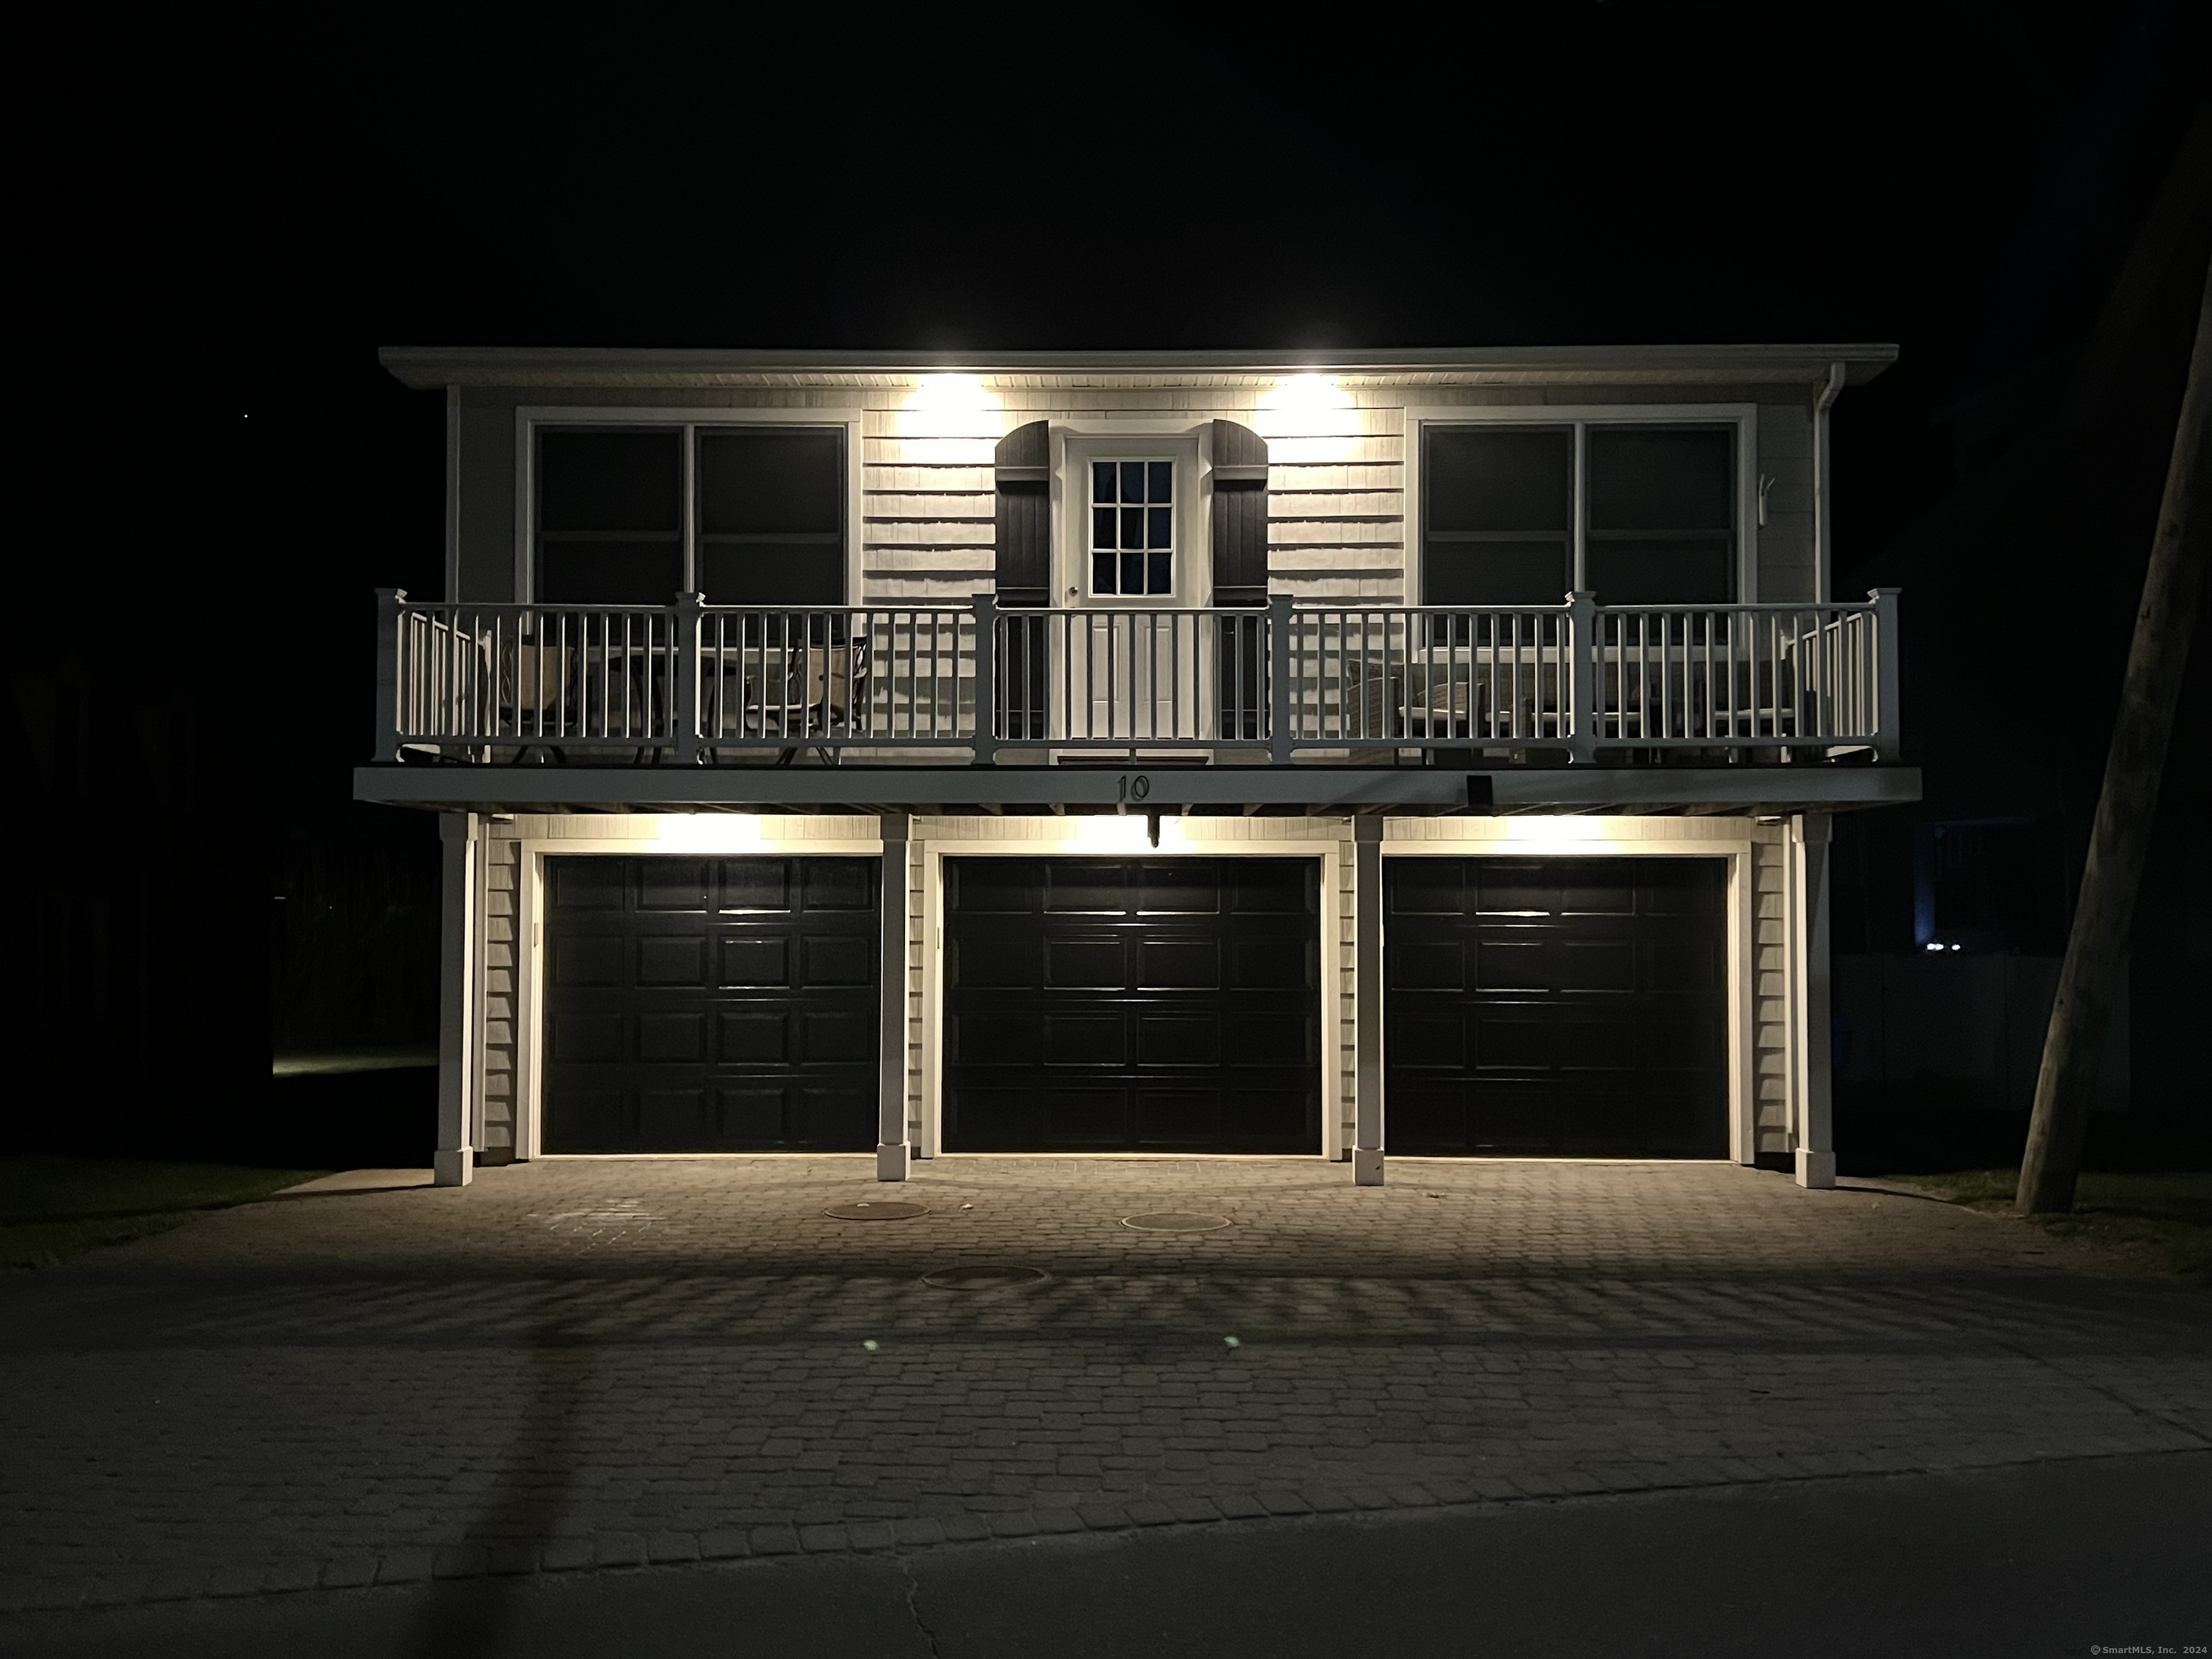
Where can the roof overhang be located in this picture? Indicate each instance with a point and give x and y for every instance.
(423, 367)
(1321, 791)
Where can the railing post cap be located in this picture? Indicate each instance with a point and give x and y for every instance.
(1883, 593)
(391, 593)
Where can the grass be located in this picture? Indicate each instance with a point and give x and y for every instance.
(2165, 1219)
(53, 1208)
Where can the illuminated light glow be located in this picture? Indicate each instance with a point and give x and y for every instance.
(710, 832)
(1308, 407)
(1120, 832)
(1566, 832)
(950, 406)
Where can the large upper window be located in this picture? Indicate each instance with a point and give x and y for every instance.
(1653, 522)
(766, 526)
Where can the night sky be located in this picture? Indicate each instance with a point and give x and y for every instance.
(241, 220)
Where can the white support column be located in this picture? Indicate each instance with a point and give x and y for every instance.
(1367, 999)
(1810, 1041)
(456, 1161)
(892, 1151)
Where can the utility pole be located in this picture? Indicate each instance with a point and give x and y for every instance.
(2096, 945)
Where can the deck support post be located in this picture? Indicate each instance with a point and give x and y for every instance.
(1812, 1084)
(388, 601)
(1585, 678)
(986, 680)
(1367, 999)
(1282, 707)
(893, 1153)
(683, 716)
(455, 1162)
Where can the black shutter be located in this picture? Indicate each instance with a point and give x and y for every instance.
(1023, 469)
(1240, 515)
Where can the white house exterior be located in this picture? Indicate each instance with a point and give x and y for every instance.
(1332, 756)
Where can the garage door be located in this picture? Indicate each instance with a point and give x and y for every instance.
(1562, 1006)
(1110, 1004)
(710, 1005)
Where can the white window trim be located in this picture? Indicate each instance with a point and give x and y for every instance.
(1074, 447)
(530, 417)
(1744, 418)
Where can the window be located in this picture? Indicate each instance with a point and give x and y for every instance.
(1655, 523)
(1133, 527)
(610, 517)
(766, 526)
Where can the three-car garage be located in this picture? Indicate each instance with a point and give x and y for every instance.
(1169, 1003)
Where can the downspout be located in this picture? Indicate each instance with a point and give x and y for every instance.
(1822, 571)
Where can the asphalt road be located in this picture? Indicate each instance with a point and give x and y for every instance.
(2059, 1558)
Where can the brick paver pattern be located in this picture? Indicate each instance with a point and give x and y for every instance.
(583, 1362)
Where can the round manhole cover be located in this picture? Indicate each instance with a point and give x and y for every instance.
(1175, 1221)
(867, 1210)
(984, 1278)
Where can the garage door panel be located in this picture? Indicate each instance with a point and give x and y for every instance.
(584, 1119)
(1514, 965)
(672, 884)
(680, 1037)
(1595, 1020)
(1084, 887)
(672, 959)
(754, 961)
(1085, 1039)
(1163, 982)
(837, 1116)
(830, 960)
(984, 1039)
(1085, 964)
(1425, 965)
(835, 1036)
(1260, 1039)
(755, 885)
(1179, 965)
(748, 1115)
(1415, 1040)
(1183, 887)
(582, 884)
(676, 1119)
(1273, 965)
(586, 1039)
(993, 964)
(1179, 1039)
(833, 885)
(1584, 965)
(753, 1035)
(587, 961)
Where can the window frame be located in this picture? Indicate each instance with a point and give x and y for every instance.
(1578, 418)
(530, 420)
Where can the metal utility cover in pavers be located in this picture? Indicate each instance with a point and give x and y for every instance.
(385, 1386)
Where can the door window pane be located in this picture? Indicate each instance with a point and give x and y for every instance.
(1133, 527)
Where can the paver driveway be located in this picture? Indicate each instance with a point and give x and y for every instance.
(592, 1362)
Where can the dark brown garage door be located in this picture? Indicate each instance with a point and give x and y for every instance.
(711, 1005)
(1108, 1004)
(1564, 1006)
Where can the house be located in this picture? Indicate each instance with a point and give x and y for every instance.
(1329, 755)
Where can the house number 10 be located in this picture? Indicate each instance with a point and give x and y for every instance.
(1135, 788)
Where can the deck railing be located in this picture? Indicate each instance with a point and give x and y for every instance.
(689, 681)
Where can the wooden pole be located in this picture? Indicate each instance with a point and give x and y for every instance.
(2173, 586)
